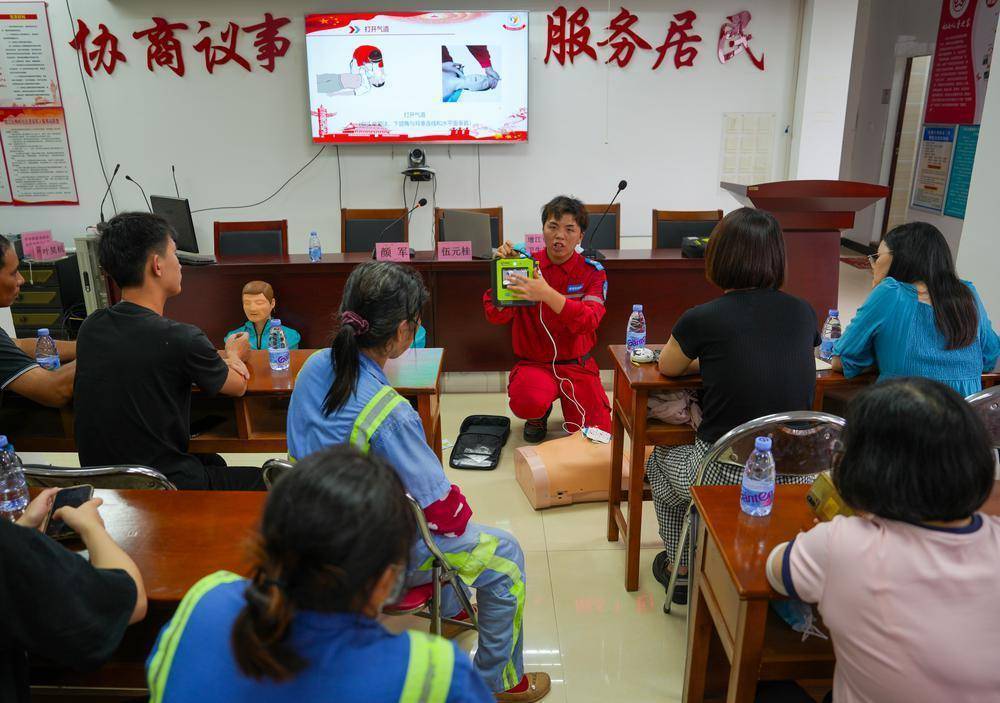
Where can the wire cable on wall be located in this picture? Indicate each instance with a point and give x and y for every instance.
(340, 180)
(261, 202)
(90, 109)
(479, 174)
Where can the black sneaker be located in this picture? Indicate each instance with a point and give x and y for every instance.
(662, 574)
(535, 430)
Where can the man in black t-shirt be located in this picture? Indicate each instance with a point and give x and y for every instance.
(55, 604)
(18, 370)
(132, 395)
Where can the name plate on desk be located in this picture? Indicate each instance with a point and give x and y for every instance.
(534, 242)
(454, 251)
(392, 251)
(30, 241)
(47, 251)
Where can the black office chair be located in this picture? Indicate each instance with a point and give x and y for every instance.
(360, 229)
(496, 223)
(260, 238)
(671, 226)
(609, 235)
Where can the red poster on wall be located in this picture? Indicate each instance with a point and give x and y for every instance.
(962, 57)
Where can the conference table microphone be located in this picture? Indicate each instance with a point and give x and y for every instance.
(129, 178)
(594, 253)
(378, 239)
(115, 173)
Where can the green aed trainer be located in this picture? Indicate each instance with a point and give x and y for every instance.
(502, 270)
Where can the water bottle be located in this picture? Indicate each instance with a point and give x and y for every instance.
(831, 333)
(315, 251)
(757, 492)
(635, 334)
(46, 353)
(13, 487)
(277, 348)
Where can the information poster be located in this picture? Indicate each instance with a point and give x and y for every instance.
(36, 166)
(933, 167)
(962, 159)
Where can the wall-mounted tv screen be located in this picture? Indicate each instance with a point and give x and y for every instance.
(418, 77)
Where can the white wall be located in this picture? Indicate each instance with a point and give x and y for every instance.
(235, 137)
(895, 29)
(979, 251)
(822, 88)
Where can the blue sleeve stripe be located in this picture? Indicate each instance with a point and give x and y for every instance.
(786, 571)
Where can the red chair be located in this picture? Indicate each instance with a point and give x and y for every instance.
(425, 600)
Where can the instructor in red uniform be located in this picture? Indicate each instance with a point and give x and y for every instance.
(570, 291)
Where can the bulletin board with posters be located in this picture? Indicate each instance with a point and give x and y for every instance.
(36, 167)
(960, 71)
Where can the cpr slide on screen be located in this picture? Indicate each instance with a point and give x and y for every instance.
(449, 77)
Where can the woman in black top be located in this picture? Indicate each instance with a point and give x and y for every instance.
(754, 348)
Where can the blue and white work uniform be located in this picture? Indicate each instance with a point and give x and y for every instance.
(349, 658)
(375, 418)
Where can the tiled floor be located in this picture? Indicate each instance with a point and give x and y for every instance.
(597, 642)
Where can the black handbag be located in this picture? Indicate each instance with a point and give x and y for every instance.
(479, 442)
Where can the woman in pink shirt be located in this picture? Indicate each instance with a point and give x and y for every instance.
(908, 589)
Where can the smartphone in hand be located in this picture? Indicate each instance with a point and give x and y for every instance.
(74, 497)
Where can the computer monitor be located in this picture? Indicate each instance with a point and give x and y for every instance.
(177, 212)
(465, 226)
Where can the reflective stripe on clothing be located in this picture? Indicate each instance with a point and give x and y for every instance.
(159, 665)
(372, 416)
(429, 672)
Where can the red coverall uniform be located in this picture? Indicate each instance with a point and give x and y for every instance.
(533, 387)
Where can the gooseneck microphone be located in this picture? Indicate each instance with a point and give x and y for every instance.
(594, 253)
(378, 239)
(114, 173)
(129, 178)
(173, 173)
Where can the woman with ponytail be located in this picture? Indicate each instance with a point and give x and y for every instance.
(332, 549)
(920, 319)
(342, 395)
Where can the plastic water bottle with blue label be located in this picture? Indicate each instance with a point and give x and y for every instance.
(831, 333)
(635, 334)
(757, 492)
(277, 348)
(46, 353)
(315, 251)
(13, 487)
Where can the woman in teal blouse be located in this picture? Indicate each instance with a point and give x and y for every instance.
(920, 320)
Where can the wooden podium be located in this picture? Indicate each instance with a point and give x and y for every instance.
(812, 215)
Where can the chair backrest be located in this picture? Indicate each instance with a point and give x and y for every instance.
(987, 404)
(671, 226)
(609, 236)
(274, 469)
(802, 441)
(496, 223)
(261, 238)
(116, 477)
(359, 229)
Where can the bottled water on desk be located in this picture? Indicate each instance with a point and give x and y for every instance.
(635, 334)
(46, 353)
(831, 333)
(757, 493)
(277, 348)
(13, 487)
(315, 251)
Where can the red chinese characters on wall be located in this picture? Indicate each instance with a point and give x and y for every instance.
(568, 36)
(165, 45)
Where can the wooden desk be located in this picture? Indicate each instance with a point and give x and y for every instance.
(730, 595)
(175, 538)
(307, 294)
(632, 386)
(254, 423)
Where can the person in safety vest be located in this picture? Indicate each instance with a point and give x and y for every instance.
(342, 395)
(553, 340)
(332, 549)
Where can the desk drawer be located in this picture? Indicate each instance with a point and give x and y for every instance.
(715, 576)
(44, 298)
(36, 318)
(39, 276)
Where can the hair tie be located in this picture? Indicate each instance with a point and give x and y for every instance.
(359, 323)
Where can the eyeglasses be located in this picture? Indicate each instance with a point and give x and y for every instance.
(872, 258)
